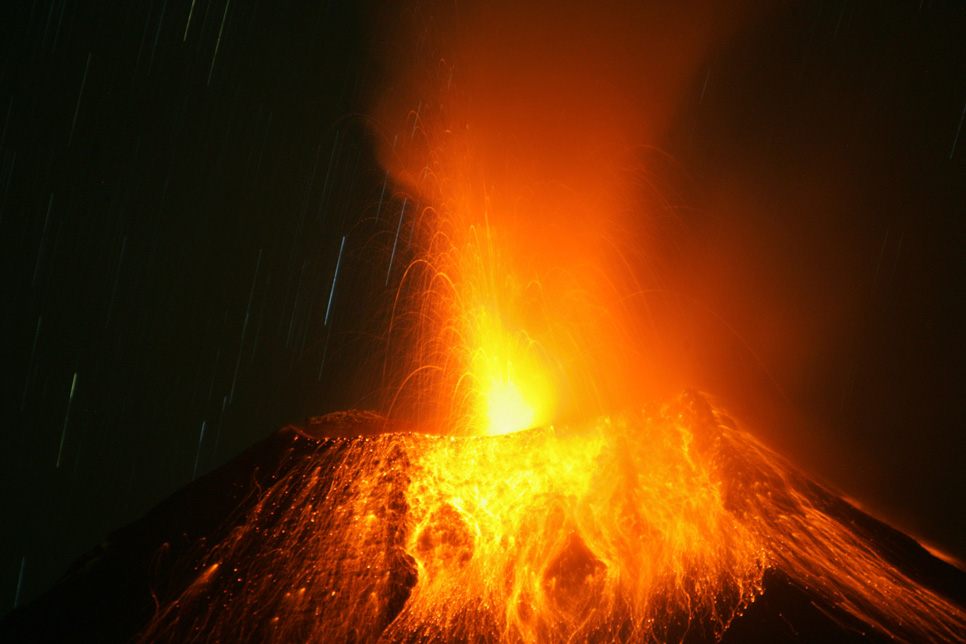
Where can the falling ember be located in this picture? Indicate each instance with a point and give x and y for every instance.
(493, 342)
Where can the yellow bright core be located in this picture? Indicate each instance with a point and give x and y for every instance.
(507, 408)
(515, 392)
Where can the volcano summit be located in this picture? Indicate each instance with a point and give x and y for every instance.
(669, 524)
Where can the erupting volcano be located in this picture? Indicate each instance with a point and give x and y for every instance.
(669, 524)
(659, 526)
(528, 480)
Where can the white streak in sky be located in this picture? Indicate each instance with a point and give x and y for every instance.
(201, 438)
(248, 311)
(958, 128)
(328, 308)
(398, 228)
(382, 196)
(63, 434)
(191, 12)
(218, 42)
(23, 564)
(80, 95)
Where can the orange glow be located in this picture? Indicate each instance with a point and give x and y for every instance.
(506, 368)
(493, 338)
(550, 531)
(553, 505)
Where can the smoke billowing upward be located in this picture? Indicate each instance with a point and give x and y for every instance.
(554, 100)
(733, 189)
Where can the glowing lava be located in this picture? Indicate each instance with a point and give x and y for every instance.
(548, 536)
(656, 526)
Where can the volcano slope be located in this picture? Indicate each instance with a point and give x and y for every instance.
(668, 524)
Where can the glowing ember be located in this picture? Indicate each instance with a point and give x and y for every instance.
(491, 343)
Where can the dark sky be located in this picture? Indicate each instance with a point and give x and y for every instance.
(174, 194)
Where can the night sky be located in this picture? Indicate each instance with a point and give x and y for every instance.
(177, 179)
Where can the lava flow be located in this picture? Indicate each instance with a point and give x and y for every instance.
(656, 526)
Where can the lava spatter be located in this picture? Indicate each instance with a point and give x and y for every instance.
(655, 526)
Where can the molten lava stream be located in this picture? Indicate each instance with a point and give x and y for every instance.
(656, 526)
